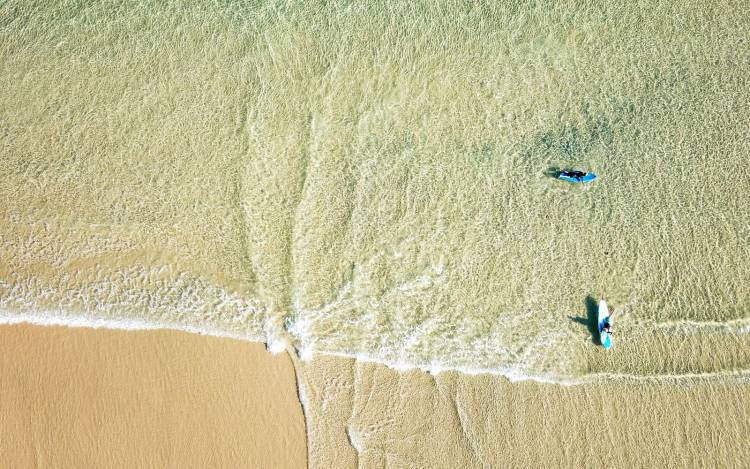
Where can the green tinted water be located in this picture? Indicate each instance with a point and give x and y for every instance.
(373, 180)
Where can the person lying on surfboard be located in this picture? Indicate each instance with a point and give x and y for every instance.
(573, 174)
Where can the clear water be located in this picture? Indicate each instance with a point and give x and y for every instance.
(374, 180)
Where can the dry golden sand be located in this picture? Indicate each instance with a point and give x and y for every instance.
(84, 398)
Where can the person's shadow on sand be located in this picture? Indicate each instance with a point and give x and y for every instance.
(591, 320)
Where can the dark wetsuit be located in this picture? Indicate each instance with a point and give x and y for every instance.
(574, 174)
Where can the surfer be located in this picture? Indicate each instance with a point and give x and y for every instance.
(607, 324)
(573, 174)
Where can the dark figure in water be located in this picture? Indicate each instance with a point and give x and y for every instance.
(573, 174)
(607, 326)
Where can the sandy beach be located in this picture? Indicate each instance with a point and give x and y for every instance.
(363, 185)
(76, 397)
(86, 398)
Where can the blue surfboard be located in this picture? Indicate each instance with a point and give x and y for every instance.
(603, 318)
(587, 178)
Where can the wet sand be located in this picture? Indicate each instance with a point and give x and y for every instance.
(77, 397)
(367, 415)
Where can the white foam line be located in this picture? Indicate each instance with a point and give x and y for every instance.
(49, 318)
(712, 377)
(735, 376)
(509, 373)
(736, 326)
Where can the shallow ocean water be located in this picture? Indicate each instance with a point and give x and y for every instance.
(373, 181)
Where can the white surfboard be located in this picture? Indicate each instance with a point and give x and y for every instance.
(603, 315)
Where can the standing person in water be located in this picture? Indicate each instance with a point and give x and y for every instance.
(607, 324)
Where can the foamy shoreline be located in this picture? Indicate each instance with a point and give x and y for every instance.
(278, 346)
